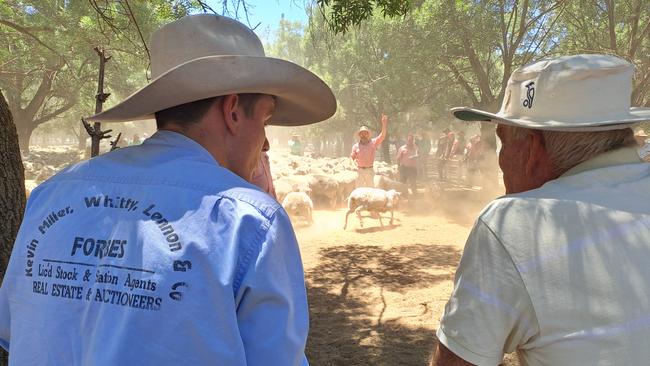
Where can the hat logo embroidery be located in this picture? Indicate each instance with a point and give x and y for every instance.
(530, 94)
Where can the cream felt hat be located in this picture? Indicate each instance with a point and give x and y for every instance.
(363, 129)
(203, 56)
(568, 93)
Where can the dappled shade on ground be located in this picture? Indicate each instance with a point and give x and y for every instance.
(345, 326)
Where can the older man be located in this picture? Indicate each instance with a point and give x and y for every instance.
(557, 269)
(163, 253)
(363, 153)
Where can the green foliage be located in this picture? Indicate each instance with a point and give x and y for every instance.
(48, 68)
(345, 14)
(409, 59)
(620, 28)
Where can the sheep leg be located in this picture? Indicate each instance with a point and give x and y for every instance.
(380, 221)
(346, 219)
(391, 217)
(358, 212)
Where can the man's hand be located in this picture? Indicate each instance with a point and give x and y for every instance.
(384, 119)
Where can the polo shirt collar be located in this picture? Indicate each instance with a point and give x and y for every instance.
(626, 155)
(179, 141)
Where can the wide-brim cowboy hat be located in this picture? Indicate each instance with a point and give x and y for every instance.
(204, 56)
(569, 93)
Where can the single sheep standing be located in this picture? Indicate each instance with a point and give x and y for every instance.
(373, 200)
(298, 205)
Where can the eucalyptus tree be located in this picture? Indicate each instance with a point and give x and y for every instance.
(47, 63)
(620, 28)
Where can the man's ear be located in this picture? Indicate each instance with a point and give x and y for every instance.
(232, 113)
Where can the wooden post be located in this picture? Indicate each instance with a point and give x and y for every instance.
(100, 98)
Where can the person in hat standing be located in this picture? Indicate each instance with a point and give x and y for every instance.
(163, 253)
(363, 153)
(407, 163)
(557, 269)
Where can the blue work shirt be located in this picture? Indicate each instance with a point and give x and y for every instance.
(154, 255)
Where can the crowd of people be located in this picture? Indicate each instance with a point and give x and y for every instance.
(164, 253)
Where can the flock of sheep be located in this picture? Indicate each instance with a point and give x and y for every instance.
(302, 183)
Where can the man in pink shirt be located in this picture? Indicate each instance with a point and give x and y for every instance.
(262, 174)
(407, 163)
(363, 153)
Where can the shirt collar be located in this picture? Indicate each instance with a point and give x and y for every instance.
(179, 141)
(626, 155)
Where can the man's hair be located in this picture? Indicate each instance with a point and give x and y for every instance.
(190, 113)
(568, 149)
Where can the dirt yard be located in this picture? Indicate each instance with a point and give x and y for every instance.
(376, 295)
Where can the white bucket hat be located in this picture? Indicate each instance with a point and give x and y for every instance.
(568, 93)
(204, 56)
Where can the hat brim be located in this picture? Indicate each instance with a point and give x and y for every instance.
(302, 98)
(635, 115)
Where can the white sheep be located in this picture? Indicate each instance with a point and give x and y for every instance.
(324, 190)
(296, 183)
(299, 206)
(373, 200)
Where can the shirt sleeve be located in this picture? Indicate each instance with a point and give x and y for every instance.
(490, 312)
(272, 314)
(378, 140)
(354, 152)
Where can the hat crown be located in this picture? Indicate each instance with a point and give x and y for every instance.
(200, 35)
(570, 89)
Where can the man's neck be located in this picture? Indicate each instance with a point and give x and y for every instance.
(203, 138)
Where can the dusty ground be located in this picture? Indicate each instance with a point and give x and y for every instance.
(376, 295)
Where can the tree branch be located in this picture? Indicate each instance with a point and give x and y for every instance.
(44, 88)
(463, 82)
(44, 118)
(27, 32)
(609, 4)
(637, 40)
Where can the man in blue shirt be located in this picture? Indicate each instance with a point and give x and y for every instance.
(163, 253)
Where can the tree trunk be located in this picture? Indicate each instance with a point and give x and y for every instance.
(12, 190)
(24, 129)
(82, 138)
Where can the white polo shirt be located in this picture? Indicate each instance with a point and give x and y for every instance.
(560, 274)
